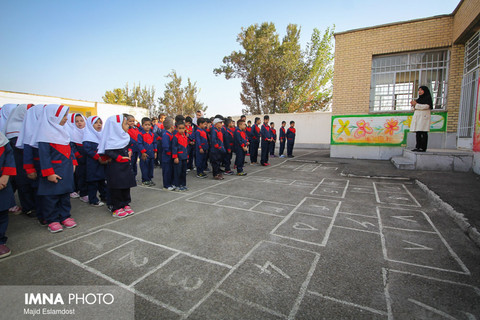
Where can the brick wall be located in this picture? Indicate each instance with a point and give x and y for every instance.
(466, 15)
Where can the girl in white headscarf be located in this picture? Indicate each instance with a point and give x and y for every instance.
(7, 200)
(96, 163)
(120, 178)
(4, 114)
(26, 194)
(76, 127)
(57, 166)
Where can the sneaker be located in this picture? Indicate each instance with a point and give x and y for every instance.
(146, 183)
(218, 177)
(185, 189)
(119, 213)
(98, 204)
(84, 199)
(267, 164)
(291, 156)
(282, 156)
(31, 213)
(74, 195)
(55, 227)
(110, 208)
(241, 174)
(228, 173)
(172, 188)
(201, 175)
(128, 210)
(15, 210)
(188, 170)
(69, 223)
(43, 223)
(4, 251)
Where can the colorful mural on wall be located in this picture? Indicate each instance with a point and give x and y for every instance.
(379, 129)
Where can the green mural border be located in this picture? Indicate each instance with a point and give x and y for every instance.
(404, 141)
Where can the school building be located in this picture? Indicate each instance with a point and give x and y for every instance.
(377, 73)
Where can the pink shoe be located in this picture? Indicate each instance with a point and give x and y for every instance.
(84, 199)
(120, 213)
(74, 195)
(55, 227)
(15, 210)
(69, 223)
(128, 210)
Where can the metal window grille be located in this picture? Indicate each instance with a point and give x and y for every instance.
(396, 78)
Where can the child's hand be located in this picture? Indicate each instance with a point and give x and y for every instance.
(54, 178)
(32, 176)
(245, 149)
(201, 151)
(4, 181)
(229, 151)
(127, 158)
(176, 161)
(74, 167)
(144, 156)
(155, 155)
(130, 154)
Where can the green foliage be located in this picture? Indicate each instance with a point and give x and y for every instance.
(277, 76)
(138, 96)
(179, 99)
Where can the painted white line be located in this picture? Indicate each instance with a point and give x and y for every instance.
(411, 195)
(299, 240)
(432, 309)
(288, 216)
(116, 282)
(303, 288)
(109, 251)
(376, 193)
(351, 304)
(357, 214)
(367, 231)
(172, 249)
(314, 215)
(237, 208)
(301, 166)
(173, 256)
(382, 237)
(345, 189)
(252, 304)
(386, 291)
(329, 229)
(224, 198)
(291, 247)
(318, 185)
(410, 230)
(76, 237)
(476, 289)
(257, 204)
(235, 267)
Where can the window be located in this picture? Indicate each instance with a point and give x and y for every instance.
(396, 78)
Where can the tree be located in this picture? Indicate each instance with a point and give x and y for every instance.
(279, 76)
(178, 99)
(138, 96)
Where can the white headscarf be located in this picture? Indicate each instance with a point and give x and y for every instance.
(15, 121)
(49, 129)
(4, 114)
(3, 140)
(30, 125)
(76, 134)
(113, 137)
(91, 134)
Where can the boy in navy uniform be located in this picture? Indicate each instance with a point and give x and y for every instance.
(180, 157)
(291, 132)
(191, 143)
(266, 134)
(240, 143)
(201, 147)
(7, 200)
(217, 148)
(229, 144)
(282, 139)
(167, 165)
(274, 139)
(255, 137)
(158, 131)
(133, 132)
(146, 141)
(248, 130)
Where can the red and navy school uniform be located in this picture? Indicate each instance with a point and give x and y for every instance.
(266, 133)
(20, 182)
(201, 143)
(134, 132)
(180, 151)
(282, 139)
(95, 173)
(248, 131)
(146, 141)
(217, 150)
(56, 159)
(120, 178)
(209, 137)
(31, 164)
(255, 143)
(240, 141)
(229, 146)
(167, 165)
(158, 129)
(7, 199)
(191, 146)
(80, 175)
(272, 143)
(291, 133)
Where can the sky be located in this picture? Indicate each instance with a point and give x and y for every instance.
(80, 49)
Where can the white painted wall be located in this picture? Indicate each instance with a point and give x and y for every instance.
(313, 128)
(105, 110)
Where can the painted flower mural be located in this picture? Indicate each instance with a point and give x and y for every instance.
(391, 126)
(363, 129)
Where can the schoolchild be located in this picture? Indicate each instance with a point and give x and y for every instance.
(57, 164)
(76, 124)
(180, 157)
(266, 134)
(217, 148)
(115, 144)
(282, 139)
(158, 131)
(201, 147)
(189, 132)
(248, 130)
(291, 133)
(241, 146)
(96, 163)
(208, 129)
(147, 143)
(7, 200)
(229, 145)
(133, 132)
(167, 164)
(274, 139)
(255, 141)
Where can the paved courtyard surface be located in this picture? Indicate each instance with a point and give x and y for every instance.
(295, 240)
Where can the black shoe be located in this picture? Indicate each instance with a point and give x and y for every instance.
(421, 150)
(415, 150)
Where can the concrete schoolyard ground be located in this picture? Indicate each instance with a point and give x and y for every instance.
(306, 238)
